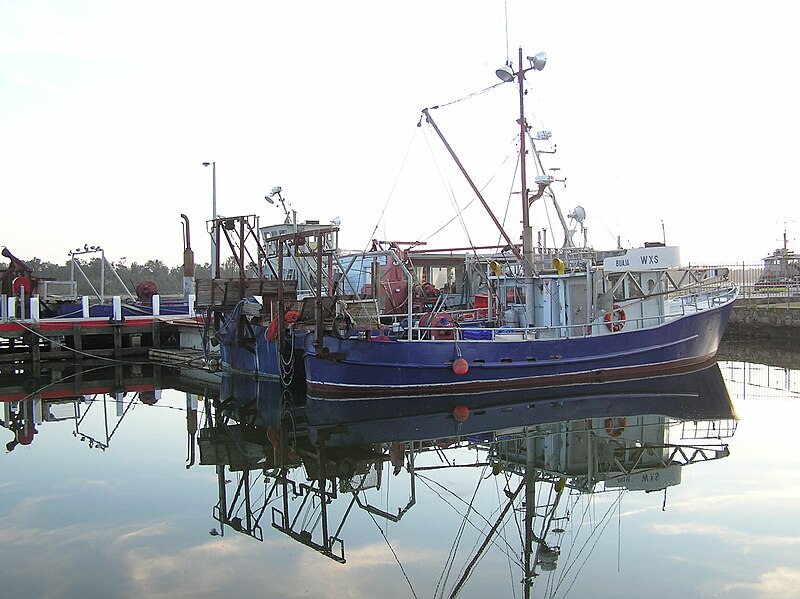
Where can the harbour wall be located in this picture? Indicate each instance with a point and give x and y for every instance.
(776, 322)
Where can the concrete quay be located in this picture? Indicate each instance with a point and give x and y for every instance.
(775, 321)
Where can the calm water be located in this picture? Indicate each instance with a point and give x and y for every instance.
(675, 487)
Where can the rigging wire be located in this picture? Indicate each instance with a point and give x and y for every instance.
(597, 534)
(509, 562)
(448, 567)
(505, 14)
(459, 211)
(391, 192)
(508, 550)
(449, 190)
(397, 559)
(510, 193)
(467, 97)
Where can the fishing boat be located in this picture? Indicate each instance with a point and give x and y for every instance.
(404, 320)
(585, 316)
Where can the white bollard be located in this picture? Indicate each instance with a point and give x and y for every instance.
(35, 308)
(156, 305)
(85, 306)
(116, 302)
(12, 308)
(190, 301)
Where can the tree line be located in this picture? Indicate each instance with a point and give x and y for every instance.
(168, 279)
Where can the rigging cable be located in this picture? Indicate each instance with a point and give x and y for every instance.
(448, 567)
(467, 97)
(397, 559)
(391, 192)
(510, 193)
(505, 14)
(604, 521)
(508, 550)
(450, 193)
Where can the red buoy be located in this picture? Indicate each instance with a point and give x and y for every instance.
(461, 413)
(460, 366)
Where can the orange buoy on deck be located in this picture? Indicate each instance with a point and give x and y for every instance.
(461, 413)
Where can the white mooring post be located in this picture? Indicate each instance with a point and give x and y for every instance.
(156, 305)
(35, 309)
(116, 302)
(190, 300)
(85, 306)
(12, 308)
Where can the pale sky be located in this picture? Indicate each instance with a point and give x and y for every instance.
(682, 113)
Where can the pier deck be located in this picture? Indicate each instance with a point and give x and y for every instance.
(75, 338)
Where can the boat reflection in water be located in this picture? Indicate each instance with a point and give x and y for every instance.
(322, 461)
(93, 399)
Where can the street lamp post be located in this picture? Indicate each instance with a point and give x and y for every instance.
(214, 218)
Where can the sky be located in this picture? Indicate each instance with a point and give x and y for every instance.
(673, 122)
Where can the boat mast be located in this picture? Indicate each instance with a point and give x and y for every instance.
(527, 232)
(537, 64)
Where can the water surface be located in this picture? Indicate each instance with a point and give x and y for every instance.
(142, 482)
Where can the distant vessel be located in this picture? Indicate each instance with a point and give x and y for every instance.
(781, 268)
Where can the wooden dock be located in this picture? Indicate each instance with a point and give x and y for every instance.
(78, 338)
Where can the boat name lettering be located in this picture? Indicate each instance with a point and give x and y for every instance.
(651, 259)
(622, 262)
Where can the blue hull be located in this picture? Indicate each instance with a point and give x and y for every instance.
(356, 368)
(261, 358)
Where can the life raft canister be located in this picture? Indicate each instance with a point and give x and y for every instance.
(615, 319)
(615, 429)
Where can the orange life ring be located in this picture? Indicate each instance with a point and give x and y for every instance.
(615, 431)
(615, 324)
